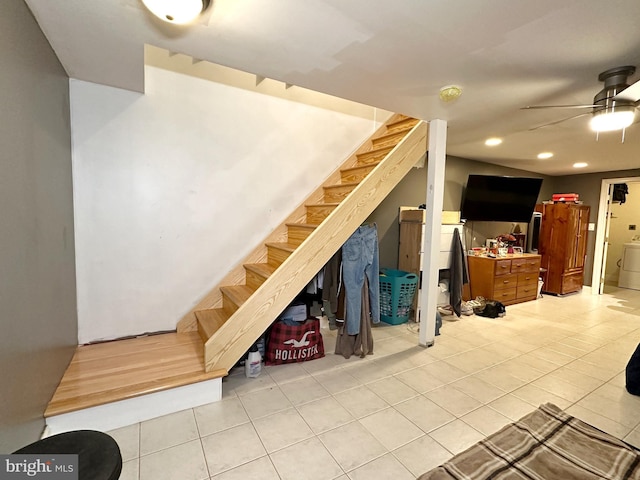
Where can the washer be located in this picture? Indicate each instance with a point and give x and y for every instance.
(630, 267)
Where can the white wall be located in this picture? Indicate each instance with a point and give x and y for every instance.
(623, 215)
(173, 188)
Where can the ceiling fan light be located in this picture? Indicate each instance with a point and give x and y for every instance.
(176, 11)
(612, 120)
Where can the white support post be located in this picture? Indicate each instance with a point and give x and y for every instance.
(431, 238)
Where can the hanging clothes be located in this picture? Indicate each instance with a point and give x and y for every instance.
(331, 280)
(620, 192)
(362, 343)
(458, 273)
(360, 260)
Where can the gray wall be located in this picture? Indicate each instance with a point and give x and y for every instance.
(37, 283)
(411, 191)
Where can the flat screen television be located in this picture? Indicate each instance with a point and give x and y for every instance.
(491, 198)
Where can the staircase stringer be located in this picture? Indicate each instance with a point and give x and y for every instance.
(236, 276)
(254, 316)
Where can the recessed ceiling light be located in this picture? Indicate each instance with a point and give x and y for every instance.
(545, 155)
(580, 165)
(492, 142)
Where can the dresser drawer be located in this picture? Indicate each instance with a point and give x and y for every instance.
(505, 295)
(527, 279)
(505, 281)
(527, 291)
(531, 265)
(503, 267)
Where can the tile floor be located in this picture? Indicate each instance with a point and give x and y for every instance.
(405, 409)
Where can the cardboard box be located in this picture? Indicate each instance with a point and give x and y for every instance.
(418, 215)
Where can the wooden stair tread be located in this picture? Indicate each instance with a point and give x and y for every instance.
(303, 225)
(398, 134)
(342, 185)
(289, 247)
(118, 370)
(238, 294)
(262, 269)
(360, 167)
(405, 123)
(321, 204)
(375, 151)
(210, 320)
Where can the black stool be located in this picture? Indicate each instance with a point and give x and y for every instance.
(98, 454)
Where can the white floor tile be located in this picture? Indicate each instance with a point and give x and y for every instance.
(361, 401)
(265, 402)
(391, 428)
(185, 462)
(422, 455)
(231, 448)
(456, 436)
(167, 431)
(282, 429)
(324, 414)
(218, 416)
(480, 375)
(308, 460)
(130, 470)
(482, 391)
(424, 413)
(486, 420)
(392, 390)
(304, 390)
(352, 445)
(453, 400)
(260, 469)
(383, 468)
(128, 439)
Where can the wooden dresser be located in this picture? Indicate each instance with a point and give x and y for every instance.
(563, 246)
(511, 279)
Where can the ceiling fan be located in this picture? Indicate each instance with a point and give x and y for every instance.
(613, 107)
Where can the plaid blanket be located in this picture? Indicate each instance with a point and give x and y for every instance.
(546, 444)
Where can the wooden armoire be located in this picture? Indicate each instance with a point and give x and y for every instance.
(563, 246)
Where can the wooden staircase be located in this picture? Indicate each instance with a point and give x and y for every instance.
(235, 313)
(118, 383)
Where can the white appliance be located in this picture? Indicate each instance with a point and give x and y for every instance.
(630, 265)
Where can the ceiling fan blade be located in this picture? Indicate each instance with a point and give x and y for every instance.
(560, 121)
(631, 93)
(539, 107)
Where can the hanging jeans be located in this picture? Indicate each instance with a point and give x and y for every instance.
(360, 258)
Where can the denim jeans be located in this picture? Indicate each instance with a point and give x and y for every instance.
(360, 258)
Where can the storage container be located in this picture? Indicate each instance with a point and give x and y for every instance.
(397, 289)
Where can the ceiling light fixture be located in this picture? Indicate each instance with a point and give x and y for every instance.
(493, 141)
(177, 11)
(580, 165)
(614, 118)
(613, 112)
(450, 93)
(545, 155)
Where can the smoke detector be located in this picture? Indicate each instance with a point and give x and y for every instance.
(450, 93)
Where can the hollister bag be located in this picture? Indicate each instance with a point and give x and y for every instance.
(294, 343)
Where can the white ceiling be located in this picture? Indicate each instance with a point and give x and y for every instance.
(505, 54)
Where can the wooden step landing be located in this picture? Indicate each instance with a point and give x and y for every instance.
(108, 372)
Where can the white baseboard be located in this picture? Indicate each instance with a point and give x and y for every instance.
(128, 412)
